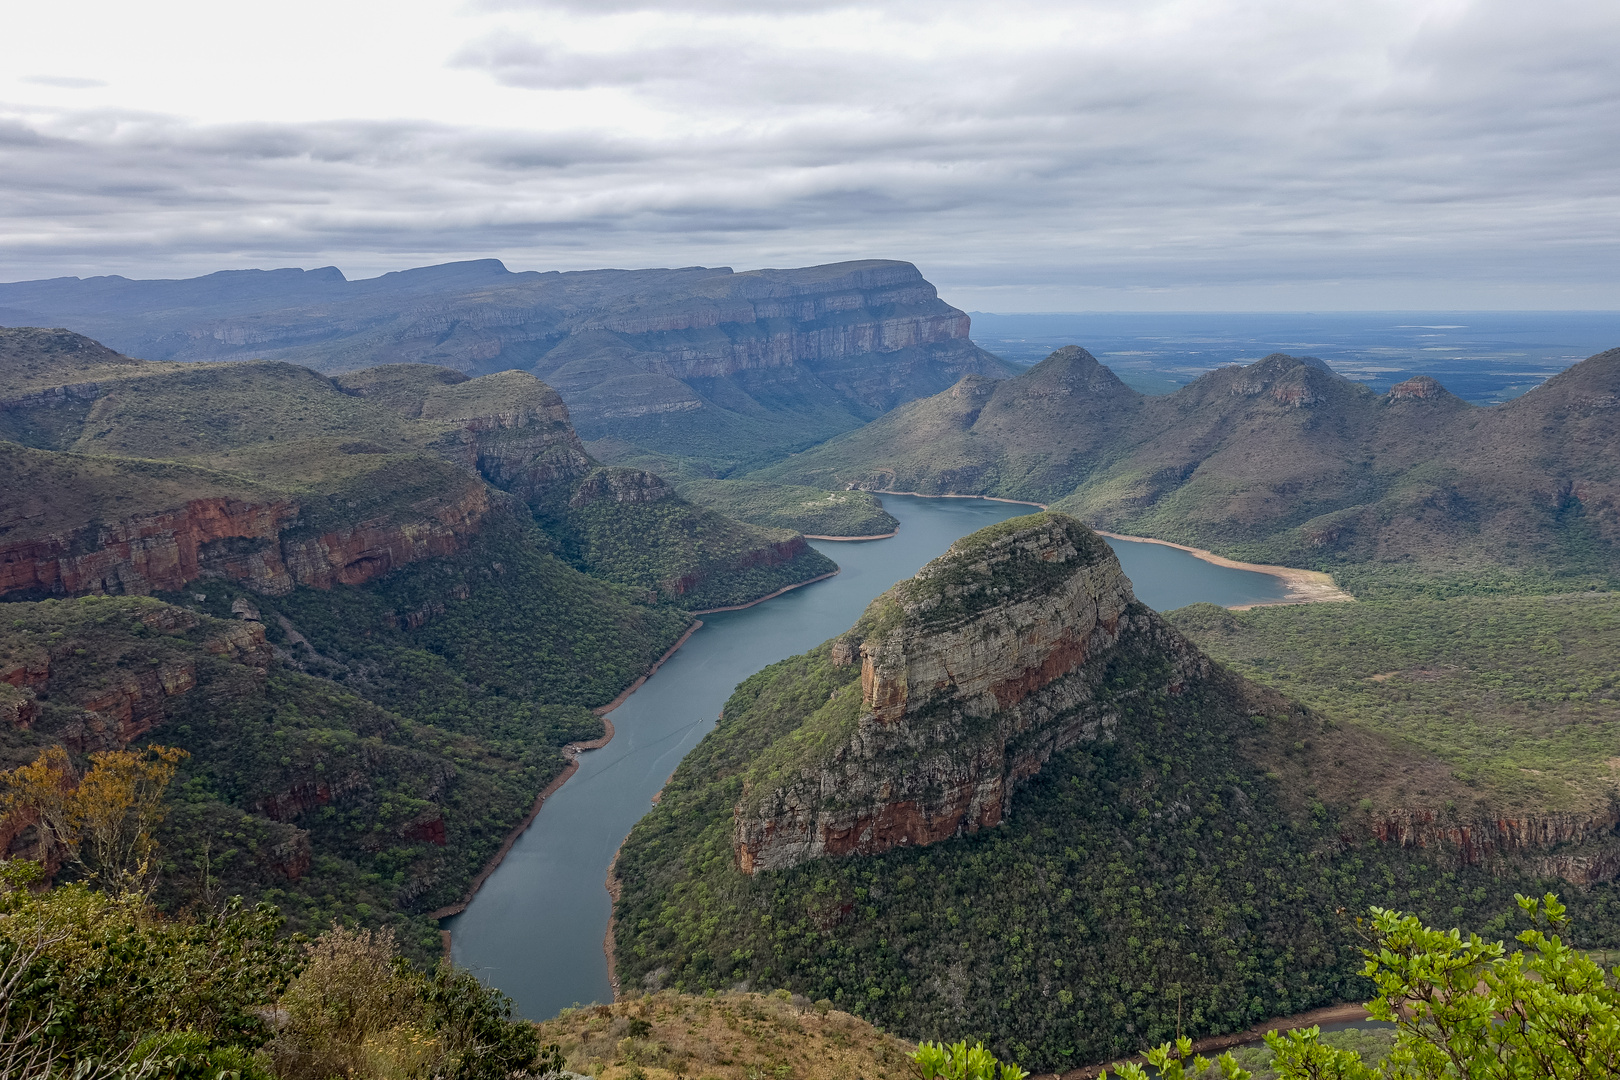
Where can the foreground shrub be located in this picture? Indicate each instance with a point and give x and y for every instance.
(358, 1010)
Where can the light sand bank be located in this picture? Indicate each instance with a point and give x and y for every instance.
(1304, 586)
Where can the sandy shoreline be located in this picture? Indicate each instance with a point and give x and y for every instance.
(875, 536)
(1304, 586)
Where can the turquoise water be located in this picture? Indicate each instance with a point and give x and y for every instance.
(536, 928)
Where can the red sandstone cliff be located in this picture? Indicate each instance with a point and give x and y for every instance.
(205, 537)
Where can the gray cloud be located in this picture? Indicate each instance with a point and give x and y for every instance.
(1354, 156)
(67, 82)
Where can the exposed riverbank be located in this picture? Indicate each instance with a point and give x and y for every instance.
(752, 603)
(1304, 586)
(572, 751)
(878, 536)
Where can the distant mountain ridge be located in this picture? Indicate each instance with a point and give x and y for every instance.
(697, 362)
(1280, 461)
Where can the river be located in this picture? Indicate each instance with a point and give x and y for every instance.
(535, 929)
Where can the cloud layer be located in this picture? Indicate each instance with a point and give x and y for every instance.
(1182, 153)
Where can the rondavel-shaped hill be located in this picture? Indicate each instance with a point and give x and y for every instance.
(374, 609)
(655, 365)
(1012, 800)
(1280, 461)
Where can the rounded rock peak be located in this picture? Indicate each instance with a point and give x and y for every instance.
(1417, 388)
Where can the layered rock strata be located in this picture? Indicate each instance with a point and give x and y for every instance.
(1581, 848)
(973, 674)
(258, 544)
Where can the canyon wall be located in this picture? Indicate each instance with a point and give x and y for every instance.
(633, 352)
(261, 545)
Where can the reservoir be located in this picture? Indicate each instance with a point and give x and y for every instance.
(536, 928)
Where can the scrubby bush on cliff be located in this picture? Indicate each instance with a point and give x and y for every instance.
(101, 820)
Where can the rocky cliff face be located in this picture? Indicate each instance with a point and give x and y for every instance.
(972, 675)
(510, 428)
(259, 544)
(1580, 848)
(681, 361)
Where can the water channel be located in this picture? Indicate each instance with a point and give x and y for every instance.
(536, 928)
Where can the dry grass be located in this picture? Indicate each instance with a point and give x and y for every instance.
(732, 1036)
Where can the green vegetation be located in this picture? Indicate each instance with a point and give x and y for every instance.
(99, 986)
(1368, 1043)
(1462, 1007)
(1168, 879)
(785, 506)
(298, 790)
(1518, 696)
(686, 554)
(959, 1061)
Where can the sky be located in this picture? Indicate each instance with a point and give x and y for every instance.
(1027, 155)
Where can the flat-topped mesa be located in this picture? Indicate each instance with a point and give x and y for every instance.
(973, 673)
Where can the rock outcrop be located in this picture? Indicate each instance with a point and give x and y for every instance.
(1580, 848)
(973, 674)
(1420, 388)
(509, 428)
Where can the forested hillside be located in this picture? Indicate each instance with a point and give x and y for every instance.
(1072, 841)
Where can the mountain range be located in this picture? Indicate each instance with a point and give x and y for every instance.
(1280, 461)
(698, 367)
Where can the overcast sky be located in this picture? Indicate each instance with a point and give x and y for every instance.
(1088, 154)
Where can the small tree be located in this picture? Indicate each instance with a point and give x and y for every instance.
(1463, 1009)
(103, 821)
